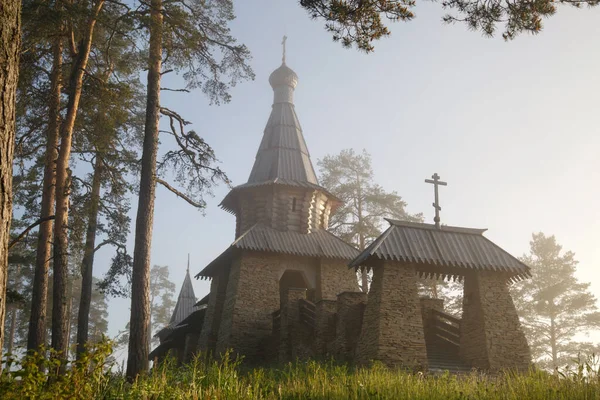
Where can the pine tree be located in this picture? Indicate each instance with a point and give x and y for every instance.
(360, 22)
(10, 41)
(360, 220)
(161, 300)
(80, 52)
(193, 38)
(554, 307)
(162, 303)
(109, 132)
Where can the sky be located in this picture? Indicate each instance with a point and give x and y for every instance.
(513, 127)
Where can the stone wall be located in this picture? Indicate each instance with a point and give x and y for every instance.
(325, 326)
(491, 334)
(190, 347)
(392, 329)
(296, 339)
(214, 311)
(473, 348)
(349, 319)
(252, 295)
(333, 278)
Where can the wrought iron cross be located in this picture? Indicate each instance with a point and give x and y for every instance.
(435, 180)
(283, 43)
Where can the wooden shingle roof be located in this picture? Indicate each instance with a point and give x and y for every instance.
(184, 307)
(262, 238)
(449, 250)
(282, 157)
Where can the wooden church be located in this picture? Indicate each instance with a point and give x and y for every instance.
(286, 288)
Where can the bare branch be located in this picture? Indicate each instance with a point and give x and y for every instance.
(174, 90)
(30, 227)
(180, 194)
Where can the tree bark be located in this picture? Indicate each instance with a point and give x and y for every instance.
(13, 316)
(13, 327)
(361, 235)
(553, 343)
(137, 360)
(10, 43)
(60, 341)
(36, 335)
(88, 261)
(69, 317)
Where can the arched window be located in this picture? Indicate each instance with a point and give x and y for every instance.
(293, 204)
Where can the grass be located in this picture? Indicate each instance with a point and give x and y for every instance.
(229, 379)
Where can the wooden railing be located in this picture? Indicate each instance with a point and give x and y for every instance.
(307, 313)
(446, 327)
(276, 322)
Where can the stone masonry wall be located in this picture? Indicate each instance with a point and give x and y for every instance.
(333, 278)
(214, 311)
(392, 329)
(325, 326)
(293, 334)
(473, 348)
(349, 319)
(500, 337)
(505, 343)
(190, 347)
(252, 295)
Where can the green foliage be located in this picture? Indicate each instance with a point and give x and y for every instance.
(357, 21)
(555, 308)
(361, 22)
(85, 379)
(206, 378)
(161, 305)
(360, 220)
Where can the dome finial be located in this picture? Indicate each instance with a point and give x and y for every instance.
(283, 43)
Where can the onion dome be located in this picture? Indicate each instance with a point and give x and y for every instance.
(283, 76)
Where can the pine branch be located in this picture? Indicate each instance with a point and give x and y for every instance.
(30, 227)
(179, 194)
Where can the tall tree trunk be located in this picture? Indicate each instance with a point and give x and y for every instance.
(553, 343)
(13, 328)
(85, 299)
(10, 43)
(69, 317)
(60, 341)
(361, 236)
(36, 335)
(13, 315)
(137, 359)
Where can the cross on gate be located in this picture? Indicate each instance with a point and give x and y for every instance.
(436, 182)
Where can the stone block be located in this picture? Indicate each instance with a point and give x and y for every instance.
(392, 329)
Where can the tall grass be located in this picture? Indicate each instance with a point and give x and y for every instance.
(229, 379)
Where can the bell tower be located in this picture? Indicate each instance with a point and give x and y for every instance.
(282, 191)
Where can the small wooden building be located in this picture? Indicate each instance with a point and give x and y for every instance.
(287, 288)
(401, 329)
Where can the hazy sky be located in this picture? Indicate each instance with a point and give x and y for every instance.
(514, 128)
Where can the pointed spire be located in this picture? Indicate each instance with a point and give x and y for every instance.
(188, 266)
(185, 301)
(283, 154)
